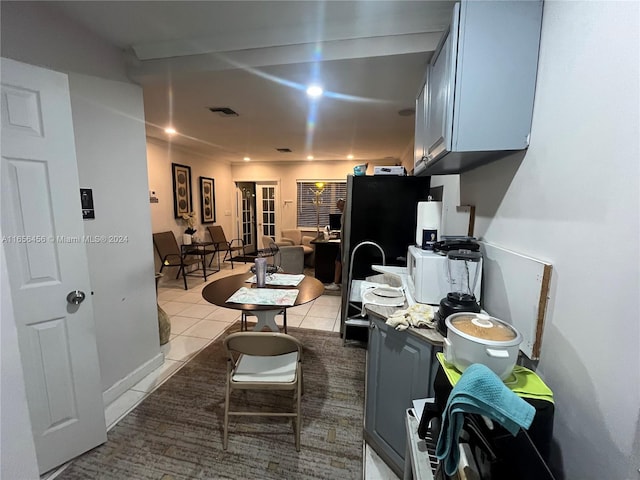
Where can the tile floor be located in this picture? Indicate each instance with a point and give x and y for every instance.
(195, 323)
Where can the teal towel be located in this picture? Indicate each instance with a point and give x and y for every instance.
(480, 391)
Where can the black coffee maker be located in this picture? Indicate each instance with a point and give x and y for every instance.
(463, 271)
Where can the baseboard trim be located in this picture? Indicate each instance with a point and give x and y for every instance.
(121, 386)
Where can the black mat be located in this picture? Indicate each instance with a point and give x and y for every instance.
(245, 258)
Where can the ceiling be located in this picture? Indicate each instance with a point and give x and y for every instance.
(257, 58)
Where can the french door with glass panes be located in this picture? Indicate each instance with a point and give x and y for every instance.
(246, 204)
(266, 207)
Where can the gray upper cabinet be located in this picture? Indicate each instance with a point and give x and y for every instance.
(480, 87)
(438, 105)
(421, 101)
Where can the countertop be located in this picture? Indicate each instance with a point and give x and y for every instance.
(397, 276)
(429, 334)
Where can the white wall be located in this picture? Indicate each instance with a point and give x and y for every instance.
(161, 154)
(574, 201)
(451, 224)
(289, 173)
(160, 157)
(33, 34)
(36, 34)
(110, 142)
(108, 119)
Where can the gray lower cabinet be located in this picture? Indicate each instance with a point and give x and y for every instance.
(400, 368)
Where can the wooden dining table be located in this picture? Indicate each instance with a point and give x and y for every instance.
(220, 290)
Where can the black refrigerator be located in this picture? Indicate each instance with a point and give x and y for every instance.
(381, 209)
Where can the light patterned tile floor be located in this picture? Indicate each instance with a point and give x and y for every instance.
(195, 323)
(375, 468)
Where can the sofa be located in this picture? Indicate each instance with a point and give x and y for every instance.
(290, 258)
(295, 237)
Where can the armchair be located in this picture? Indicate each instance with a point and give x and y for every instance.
(295, 237)
(290, 258)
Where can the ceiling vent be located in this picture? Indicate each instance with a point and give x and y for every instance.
(284, 150)
(224, 111)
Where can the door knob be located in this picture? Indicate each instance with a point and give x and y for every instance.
(75, 297)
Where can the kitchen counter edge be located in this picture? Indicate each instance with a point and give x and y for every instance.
(429, 334)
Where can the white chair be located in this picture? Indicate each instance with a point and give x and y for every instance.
(263, 361)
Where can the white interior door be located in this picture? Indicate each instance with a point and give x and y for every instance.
(46, 258)
(246, 215)
(266, 206)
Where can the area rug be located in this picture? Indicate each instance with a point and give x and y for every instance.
(176, 432)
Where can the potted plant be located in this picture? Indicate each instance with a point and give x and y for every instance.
(190, 219)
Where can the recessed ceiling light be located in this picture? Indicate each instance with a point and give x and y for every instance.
(170, 131)
(246, 159)
(350, 157)
(314, 91)
(309, 157)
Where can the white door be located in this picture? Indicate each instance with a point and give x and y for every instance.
(245, 201)
(46, 257)
(266, 206)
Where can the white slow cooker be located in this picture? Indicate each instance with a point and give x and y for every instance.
(479, 338)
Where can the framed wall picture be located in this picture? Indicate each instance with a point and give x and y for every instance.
(182, 199)
(207, 200)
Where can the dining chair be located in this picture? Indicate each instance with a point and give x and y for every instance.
(222, 245)
(263, 361)
(171, 255)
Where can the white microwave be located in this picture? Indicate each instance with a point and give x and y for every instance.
(427, 275)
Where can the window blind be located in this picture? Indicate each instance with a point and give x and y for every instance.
(307, 214)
